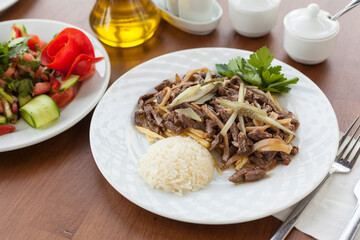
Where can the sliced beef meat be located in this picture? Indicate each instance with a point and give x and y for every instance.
(189, 122)
(254, 175)
(232, 150)
(267, 108)
(163, 84)
(234, 131)
(268, 156)
(258, 135)
(283, 158)
(260, 162)
(139, 118)
(216, 142)
(174, 93)
(233, 86)
(294, 150)
(247, 174)
(272, 105)
(196, 109)
(236, 80)
(157, 117)
(263, 160)
(173, 128)
(249, 95)
(150, 120)
(260, 98)
(144, 98)
(210, 127)
(160, 96)
(228, 93)
(243, 146)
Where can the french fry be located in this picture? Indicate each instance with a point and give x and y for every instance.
(169, 133)
(217, 167)
(262, 128)
(149, 133)
(150, 139)
(198, 132)
(273, 98)
(200, 140)
(273, 115)
(241, 162)
(284, 121)
(257, 123)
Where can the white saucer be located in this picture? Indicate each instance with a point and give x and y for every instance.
(197, 28)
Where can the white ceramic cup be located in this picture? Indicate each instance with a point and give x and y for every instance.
(195, 10)
(253, 18)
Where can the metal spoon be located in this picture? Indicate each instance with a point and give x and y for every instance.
(350, 6)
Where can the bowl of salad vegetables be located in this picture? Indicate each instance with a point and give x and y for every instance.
(39, 78)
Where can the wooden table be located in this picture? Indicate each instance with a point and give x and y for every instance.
(53, 190)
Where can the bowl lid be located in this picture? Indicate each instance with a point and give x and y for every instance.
(311, 23)
(255, 6)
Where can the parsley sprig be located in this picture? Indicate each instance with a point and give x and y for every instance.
(257, 71)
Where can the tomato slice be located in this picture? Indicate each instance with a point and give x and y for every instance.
(55, 84)
(82, 41)
(17, 32)
(60, 54)
(64, 98)
(5, 129)
(83, 66)
(34, 42)
(70, 48)
(41, 87)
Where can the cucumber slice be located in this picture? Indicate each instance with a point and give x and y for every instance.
(69, 82)
(3, 120)
(40, 111)
(6, 96)
(24, 100)
(22, 29)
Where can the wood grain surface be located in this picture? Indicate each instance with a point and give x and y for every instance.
(54, 190)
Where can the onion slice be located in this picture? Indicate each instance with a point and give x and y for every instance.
(253, 112)
(271, 144)
(190, 113)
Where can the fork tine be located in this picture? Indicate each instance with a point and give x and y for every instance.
(348, 131)
(355, 158)
(347, 145)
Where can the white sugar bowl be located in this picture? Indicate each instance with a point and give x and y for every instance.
(253, 18)
(309, 34)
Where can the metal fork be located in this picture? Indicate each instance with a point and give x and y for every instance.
(340, 165)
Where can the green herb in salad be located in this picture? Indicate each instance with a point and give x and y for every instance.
(257, 71)
(18, 46)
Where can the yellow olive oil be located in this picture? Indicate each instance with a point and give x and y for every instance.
(124, 23)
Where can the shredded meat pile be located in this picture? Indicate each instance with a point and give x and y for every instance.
(236, 147)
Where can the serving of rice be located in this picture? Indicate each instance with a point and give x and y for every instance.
(177, 164)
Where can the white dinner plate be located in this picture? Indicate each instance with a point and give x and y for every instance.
(90, 92)
(117, 146)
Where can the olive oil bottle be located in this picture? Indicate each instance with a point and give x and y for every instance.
(124, 23)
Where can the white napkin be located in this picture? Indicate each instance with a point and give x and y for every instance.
(327, 214)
